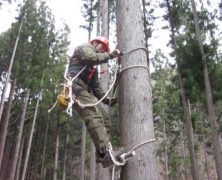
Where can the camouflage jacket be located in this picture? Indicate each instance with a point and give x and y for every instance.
(86, 54)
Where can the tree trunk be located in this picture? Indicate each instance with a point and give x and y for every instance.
(7, 158)
(6, 123)
(65, 157)
(44, 150)
(181, 130)
(145, 24)
(104, 32)
(9, 71)
(92, 162)
(189, 129)
(209, 99)
(136, 114)
(32, 132)
(83, 149)
(18, 169)
(19, 138)
(104, 173)
(56, 151)
(165, 151)
(206, 161)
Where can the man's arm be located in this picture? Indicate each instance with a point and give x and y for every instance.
(90, 57)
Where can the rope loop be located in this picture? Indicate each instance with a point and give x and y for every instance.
(136, 49)
(125, 156)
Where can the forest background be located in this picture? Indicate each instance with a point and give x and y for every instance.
(185, 148)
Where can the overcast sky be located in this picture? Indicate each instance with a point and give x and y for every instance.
(69, 11)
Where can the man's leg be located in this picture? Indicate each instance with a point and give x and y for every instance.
(93, 118)
(106, 119)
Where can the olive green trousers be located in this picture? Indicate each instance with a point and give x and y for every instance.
(96, 119)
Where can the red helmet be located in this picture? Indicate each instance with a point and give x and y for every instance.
(102, 40)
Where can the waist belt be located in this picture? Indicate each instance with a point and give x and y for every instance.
(75, 68)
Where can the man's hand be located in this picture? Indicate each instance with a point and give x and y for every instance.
(110, 101)
(115, 53)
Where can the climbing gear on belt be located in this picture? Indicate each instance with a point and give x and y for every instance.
(68, 87)
(63, 98)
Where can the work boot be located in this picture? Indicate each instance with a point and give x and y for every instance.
(105, 159)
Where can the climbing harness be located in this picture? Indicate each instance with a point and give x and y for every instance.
(125, 156)
(65, 99)
(107, 92)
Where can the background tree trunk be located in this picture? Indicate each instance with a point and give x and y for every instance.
(92, 162)
(165, 151)
(56, 156)
(188, 125)
(83, 149)
(19, 138)
(65, 157)
(4, 129)
(9, 71)
(136, 114)
(209, 99)
(104, 173)
(42, 174)
(18, 169)
(32, 131)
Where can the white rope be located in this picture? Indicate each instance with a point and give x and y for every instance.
(125, 156)
(135, 49)
(49, 110)
(134, 66)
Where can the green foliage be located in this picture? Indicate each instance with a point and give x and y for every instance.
(89, 14)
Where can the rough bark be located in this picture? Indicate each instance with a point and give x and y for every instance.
(6, 123)
(136, 114)
(83, 149)
(44, 150)
(65, 157)
(56, 151)
(18, 169)
(145, 24)
(184, 151)
(103, 173)
(165, 152)
(209, 99)
(92, 162)
(19, 137)
(206, 161)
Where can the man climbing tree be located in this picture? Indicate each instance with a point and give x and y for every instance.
(86, 89)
